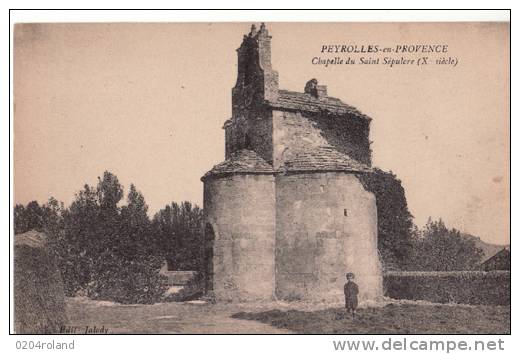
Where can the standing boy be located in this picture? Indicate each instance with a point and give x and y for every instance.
(351, 294)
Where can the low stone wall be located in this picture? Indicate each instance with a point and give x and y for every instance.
(179, 277)
(464, 287)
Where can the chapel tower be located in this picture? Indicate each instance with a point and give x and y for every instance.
(286, 215)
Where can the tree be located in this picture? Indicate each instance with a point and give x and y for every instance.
(394, 220)
(437, 248)
(80, 243)
(36, 217)
(178, 230)
(109, 192)
(137, 237)
(127, 268)
(106, 250)
(30, 217)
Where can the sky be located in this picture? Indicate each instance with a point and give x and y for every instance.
(148, 101)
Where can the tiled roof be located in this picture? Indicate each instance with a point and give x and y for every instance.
(299, 101)
(323, 158)
(241, 161)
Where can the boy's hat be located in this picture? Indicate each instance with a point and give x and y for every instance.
(350, 275)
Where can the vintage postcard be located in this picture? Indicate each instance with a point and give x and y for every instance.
(262, 177)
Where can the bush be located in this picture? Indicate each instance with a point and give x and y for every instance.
(438, 248)
(465, 287)
(39, 298)
(136, 281)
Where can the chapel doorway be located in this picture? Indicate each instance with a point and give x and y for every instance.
(209, 241)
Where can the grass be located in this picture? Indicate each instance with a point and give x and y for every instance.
(391, 319)
(295, 318)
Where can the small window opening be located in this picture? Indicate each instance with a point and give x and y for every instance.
(345, 212)
(247, 141)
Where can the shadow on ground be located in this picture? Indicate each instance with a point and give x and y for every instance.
(392, 318)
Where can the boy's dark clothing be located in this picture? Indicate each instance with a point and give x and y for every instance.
(351, 292)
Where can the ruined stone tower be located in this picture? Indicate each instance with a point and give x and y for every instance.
(285, 214)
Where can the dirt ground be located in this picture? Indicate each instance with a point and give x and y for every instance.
(282, 318)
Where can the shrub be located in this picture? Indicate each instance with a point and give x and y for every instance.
(439, 248)
(39, 298)
(136, 281)
(465, 287)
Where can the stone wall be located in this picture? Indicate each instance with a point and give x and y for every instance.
(294, 130)
(256, 79)
(178, 277)
(462, 287)
(241, 212)
(251, 129)
(251, 124)
(326, 226)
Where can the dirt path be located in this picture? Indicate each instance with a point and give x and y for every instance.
(163, 318)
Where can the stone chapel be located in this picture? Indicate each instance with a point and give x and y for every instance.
(286, 216)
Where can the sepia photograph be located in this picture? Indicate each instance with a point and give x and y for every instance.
(261, 178)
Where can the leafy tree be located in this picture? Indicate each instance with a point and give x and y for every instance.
(80, 243)
(394, 220)
(53, 216)
(28, 218)
(104, 250)
(109, 192)
(178, 230)
(35, 217)
(437, 248)
(127, 269)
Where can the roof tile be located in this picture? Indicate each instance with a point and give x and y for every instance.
(241, 161)
(323, 158)
(305, 102)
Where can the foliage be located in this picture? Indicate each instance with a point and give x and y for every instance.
(125, 280)
(109, 252)
(36, 217)
(437, 248)
(394, 220)
(178, 228)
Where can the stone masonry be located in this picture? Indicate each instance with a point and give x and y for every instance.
(286, 216)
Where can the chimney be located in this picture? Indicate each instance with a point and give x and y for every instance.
(321, 91)
(312, 88)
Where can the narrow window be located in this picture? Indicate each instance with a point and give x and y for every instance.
(247, 142)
